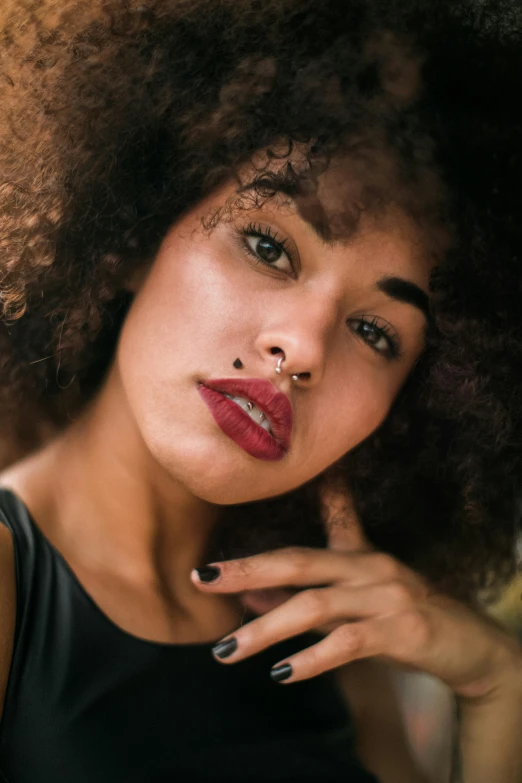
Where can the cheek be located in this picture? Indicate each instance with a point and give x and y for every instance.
(189, 320)
(183, 312)
(351, 410)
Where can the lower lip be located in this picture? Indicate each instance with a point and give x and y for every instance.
(240, 428)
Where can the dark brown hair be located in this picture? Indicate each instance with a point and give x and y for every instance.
(118, 116)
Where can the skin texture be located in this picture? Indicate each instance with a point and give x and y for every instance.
(206, 300)
(388, 610)
(426, 106)
(147, 465)
(372, 611)
(119, 117)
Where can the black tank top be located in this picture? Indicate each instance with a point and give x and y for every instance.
(89, 703)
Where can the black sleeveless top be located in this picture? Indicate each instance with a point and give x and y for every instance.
(89, 703)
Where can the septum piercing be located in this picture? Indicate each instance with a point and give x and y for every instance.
(238, 364)
(295, 376)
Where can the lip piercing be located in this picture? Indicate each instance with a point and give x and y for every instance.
(238, 364)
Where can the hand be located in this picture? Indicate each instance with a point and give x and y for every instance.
(371, 605)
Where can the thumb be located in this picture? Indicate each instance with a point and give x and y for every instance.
(341, 522)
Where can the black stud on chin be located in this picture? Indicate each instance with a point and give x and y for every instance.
(238, 364)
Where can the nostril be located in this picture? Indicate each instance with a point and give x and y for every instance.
(275, 350)
(304, 376)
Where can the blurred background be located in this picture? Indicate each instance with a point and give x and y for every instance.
(428, 706)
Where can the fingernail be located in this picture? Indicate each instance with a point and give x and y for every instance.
(208, 573)
(281, 672)
(226, 648)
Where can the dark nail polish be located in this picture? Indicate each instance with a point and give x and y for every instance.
(282, 672)
(226, 648)
(208, 573)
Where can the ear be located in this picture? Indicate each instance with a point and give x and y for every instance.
(342, 525)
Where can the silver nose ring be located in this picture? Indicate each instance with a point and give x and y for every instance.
(295, 376)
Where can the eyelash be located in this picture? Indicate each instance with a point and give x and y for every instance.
(386, 331)
(265, 232)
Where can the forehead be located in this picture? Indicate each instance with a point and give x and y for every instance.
(350, 196)
(379, 245)
(379, 241)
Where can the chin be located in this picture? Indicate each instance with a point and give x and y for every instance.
(226, 488)
(218, 475)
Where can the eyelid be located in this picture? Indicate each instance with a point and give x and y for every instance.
(388, 332)
(285, 243)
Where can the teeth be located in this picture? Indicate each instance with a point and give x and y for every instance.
(255, 413)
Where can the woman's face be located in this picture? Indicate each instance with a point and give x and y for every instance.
(346, 317)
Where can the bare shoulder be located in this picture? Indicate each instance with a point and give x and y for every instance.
(7, 607)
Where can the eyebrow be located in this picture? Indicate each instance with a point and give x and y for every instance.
(313, 213)
(308, 205)
(405, 291)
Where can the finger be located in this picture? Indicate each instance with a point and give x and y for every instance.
(400, 639)
(262, 601)
(297, 567)
(347, 643)
(341, 522)
(307, 611)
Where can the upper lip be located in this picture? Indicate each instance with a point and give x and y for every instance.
(275, 404)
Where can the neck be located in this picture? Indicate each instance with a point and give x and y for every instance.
(98, 492)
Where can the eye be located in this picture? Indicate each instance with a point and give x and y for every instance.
(378, 334)
(267, 248)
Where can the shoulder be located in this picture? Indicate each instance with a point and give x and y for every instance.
(7, 607)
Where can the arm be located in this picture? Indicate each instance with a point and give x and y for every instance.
(382, 743)
(7, 608)
(490, 731)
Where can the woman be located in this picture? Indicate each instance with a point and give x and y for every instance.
(221, 229)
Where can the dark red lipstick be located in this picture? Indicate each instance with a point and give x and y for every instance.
(238, 425)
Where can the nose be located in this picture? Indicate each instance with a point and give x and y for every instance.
(297, 341)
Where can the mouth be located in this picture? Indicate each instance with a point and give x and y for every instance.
(252, 410)
(253, 413)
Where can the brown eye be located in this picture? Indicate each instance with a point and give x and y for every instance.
(377, 336)
(266, 249)
(370, 333)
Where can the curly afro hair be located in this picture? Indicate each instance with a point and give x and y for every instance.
(118, 116)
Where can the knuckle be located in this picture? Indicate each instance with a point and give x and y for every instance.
(315, 604)
(386, 565)
(415, 630)
(397, 595)
(350, 637)
(241, 568)
(314, 659)
(297, 559)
